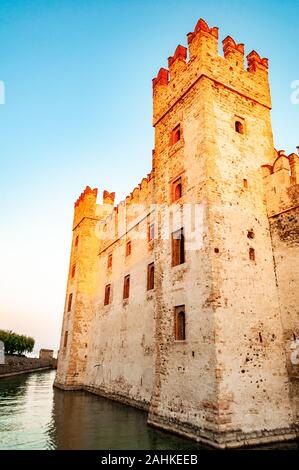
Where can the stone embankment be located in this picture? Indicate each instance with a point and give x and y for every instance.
(15, 365)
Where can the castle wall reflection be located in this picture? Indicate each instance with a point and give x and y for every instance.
(33, 415)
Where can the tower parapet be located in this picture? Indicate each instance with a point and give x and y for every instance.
(85, 205)
(281, 180)
(205, 62)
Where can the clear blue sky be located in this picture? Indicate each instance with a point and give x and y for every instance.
(78, 111)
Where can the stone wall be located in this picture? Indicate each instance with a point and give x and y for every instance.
(20, 364)
(281, 178)
(285, 236)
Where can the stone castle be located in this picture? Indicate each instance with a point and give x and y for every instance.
(183, 299)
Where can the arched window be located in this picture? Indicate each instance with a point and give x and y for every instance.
(178, 191)
(150, 276)
(126, 287)
(180, 323)
(239, 127)
(107, 295)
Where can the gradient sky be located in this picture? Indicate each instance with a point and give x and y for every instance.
(78, 110)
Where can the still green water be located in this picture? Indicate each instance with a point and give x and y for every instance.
(33, 415)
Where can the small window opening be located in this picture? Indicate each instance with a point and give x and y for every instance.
(178, 247)
(126, 292)
(260, 338)
(69, 306)
(245, 183)
(250, 234)
(177, 189)
(77, 241)
(216, 250)
(151, 232)
(65, 339)
(128, 248)
(180, 323)
(239, 127)
(107, 294)
(176, 135)
(109, 262)
(150, 276)
(251, 254)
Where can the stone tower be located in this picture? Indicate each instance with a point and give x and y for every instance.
(78, 309)
(226, 384)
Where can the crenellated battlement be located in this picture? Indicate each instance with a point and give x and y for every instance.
(87, 194)
(85, 205)
(180, 54)
(108, 198)
(281, 180)
(233, 52)
(137, 195)
(200, 27)
(255, 62)
(202, 61)
(127, 212)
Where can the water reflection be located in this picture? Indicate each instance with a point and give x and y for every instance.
(33, 415)
(25, 407)
(84, 421)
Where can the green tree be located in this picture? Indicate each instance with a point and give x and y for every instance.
(15, 343)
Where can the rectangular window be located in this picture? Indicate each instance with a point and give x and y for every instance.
(179, 323)
(178, 247)
(176, 134)
(151, 232)
(150, 276)
(107, 294)
(109, 262)
(73, 271)
(77, 241)
(126, 287)
(65, 339)
(69, 305)
(128, 248)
